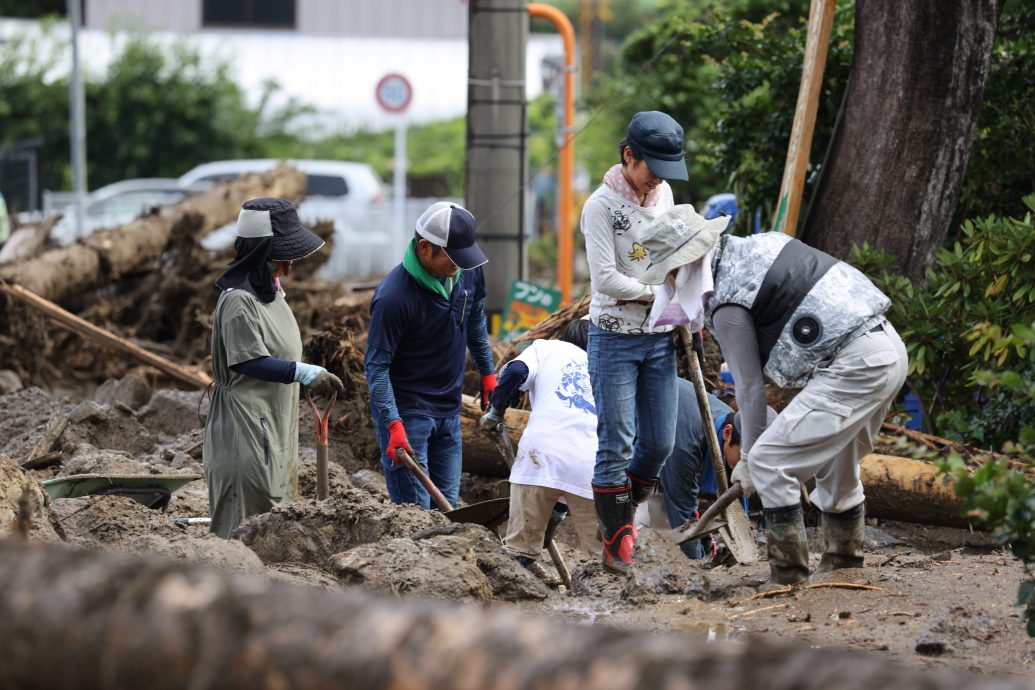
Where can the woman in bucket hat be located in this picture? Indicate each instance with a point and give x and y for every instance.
(251, 436)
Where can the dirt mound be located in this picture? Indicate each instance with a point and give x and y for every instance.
(27, 413)
(210, 549)
(110, 522)
(86, 459)
(311, 532)
(301, 574)
(104, 426)
(13, 482)
(337, 477)
(172, 412)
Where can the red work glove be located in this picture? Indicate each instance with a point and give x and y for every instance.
(397, 439)
(488, 386)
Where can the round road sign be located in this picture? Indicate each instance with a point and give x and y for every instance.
(394, 93)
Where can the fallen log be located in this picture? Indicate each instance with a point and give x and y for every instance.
(109, 254)
(128, 621)
(88, 330)
(896, 488)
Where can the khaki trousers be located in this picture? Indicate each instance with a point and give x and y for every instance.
(530, 511)
(829, 426)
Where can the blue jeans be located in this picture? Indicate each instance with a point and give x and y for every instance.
(681, 486)
(437, 449)
(634, 387)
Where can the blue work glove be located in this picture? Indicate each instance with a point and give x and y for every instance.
(490, 420)
(306, 373)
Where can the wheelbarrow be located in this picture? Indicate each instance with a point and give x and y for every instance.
(489, 514)
(323, 448)
(152, 490)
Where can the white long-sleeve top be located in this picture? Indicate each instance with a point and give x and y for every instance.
(613, 227)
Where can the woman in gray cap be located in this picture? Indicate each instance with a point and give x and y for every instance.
(632, 369)
(251, 437)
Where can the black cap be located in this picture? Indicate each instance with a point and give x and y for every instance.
(266, 216)
(659, 140)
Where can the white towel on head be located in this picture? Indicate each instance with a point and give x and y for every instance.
(681, 302)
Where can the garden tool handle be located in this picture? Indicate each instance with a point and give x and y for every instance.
(714, 510)
(323, 449)
(706, 412)
(437, 496)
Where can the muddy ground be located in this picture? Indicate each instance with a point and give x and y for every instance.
(934, 597)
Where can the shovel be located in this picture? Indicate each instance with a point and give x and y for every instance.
(489, 514)
(323, 448)
(737, 531)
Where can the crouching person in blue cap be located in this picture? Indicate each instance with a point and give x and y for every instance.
(251, 436)
(424, 317)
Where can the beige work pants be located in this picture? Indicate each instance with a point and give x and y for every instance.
(530, 510)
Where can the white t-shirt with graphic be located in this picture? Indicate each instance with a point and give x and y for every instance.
(559, 446)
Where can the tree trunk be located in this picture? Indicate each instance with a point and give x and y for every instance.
(89, 619)
(109, 254)
(896, 488)
(895, 168)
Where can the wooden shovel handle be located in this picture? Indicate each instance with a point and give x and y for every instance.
(706, 411)
(714, 510)
(437, 496)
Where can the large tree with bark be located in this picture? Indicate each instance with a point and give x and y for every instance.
(896, 164)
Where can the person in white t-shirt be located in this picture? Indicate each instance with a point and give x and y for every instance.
(558, 447)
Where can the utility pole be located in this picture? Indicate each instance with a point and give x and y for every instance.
(77, 119)
(496, 138)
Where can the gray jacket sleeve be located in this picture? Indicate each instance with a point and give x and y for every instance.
(736, 334)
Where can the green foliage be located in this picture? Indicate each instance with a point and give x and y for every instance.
(1001, 168)
(733, 83)
(967, 328)
(155, 112)
(1002, 499)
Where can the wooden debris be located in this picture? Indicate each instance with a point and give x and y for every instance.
(815, 585)
(88, 330)
(38, 462)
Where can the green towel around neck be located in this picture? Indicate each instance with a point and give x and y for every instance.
(413, 266)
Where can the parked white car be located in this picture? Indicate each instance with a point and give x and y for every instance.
(347, 193)
(118, 203)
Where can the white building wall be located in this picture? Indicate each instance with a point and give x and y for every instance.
(367, 18)
(165, 15)
(383, 18)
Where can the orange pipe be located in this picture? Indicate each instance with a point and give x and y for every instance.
(565, 234)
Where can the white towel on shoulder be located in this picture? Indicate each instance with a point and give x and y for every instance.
(681, 302)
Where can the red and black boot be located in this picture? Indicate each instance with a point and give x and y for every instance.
(642, 488)
(615, 509)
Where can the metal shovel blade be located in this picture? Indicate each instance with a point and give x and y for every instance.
(486, 513)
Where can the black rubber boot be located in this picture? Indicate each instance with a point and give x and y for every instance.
(787, 545)
(642, 488)
(615, 510)
(843, 535)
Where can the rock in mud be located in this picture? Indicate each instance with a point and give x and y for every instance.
(131, 391)
(660, 568)
(172, 412)
(307, 531)
(13, 482)
(957, 629)
(442, 567)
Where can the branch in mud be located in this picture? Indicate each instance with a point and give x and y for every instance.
(122, 621)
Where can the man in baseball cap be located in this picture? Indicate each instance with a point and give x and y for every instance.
(424, 317)
(451, 227)
(658, 139)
